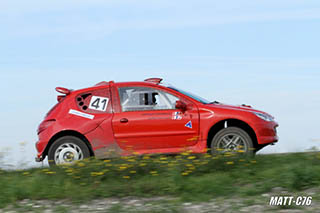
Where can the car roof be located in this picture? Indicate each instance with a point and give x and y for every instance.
(148, 81)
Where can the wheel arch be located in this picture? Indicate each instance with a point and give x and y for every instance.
(68, 133)
(232, 123)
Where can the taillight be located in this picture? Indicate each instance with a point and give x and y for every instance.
(45, 124)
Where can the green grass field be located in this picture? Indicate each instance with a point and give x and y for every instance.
(187, 177)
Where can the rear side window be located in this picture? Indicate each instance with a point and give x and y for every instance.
(96, 101)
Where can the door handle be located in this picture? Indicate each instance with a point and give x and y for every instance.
(124, 120)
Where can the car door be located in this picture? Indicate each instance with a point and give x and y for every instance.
(149, 120)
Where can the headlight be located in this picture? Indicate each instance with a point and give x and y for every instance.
(264, 117)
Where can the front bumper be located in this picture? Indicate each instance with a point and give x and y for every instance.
(267, 133)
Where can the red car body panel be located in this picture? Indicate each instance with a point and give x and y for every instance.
(142, 132)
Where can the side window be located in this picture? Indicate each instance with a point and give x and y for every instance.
(96, 101)
(145, 98)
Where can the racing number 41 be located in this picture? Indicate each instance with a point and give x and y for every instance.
(99, 103)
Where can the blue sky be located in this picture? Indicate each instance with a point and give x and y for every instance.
(264, 53)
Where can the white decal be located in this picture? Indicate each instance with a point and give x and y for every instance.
(99, 103)
(81, 114)
(176, 116)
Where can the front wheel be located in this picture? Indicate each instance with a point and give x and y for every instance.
(232, 140)
(67, 150)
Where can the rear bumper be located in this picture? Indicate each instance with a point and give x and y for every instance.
(40, 146)
(39, 159)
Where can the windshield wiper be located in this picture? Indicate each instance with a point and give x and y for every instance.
(214, 102)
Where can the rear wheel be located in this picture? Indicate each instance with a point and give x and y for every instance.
(67, 150)
(232, 140)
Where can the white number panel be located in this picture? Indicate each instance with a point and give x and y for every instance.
(99, 103)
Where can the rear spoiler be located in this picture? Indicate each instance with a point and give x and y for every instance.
(63, 91)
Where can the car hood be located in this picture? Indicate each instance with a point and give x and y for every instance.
(246, 108)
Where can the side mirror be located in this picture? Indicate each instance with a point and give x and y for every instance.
(181, 105)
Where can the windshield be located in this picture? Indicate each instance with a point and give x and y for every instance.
(195, 97)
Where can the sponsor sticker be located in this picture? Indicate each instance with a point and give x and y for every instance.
(81, 114)
(176, 116)
(189, 124)
(290, 200)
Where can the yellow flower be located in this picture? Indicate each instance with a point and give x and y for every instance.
(81, 164)
(154, 173)
(163, 158)
(242, 160)
(26, 173)
(241, 151)
(96, 174)
(205, 162)
(107, 161)
(184, 173)
(133, 172)
(142, 164)
(123, 167)
(192, 157)
(50, 173)
(230, 163)
(126, 177)
(189, 165)
(146, 157)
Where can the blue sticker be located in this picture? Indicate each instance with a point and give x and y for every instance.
(189, 125)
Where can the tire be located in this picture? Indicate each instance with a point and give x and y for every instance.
(67, 150)
(239, 142)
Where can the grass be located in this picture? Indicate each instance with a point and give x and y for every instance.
(188, 177)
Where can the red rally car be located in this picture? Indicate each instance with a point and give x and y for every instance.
(118, 119)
